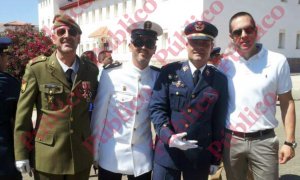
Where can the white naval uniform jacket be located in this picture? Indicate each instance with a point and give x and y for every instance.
(120, 120)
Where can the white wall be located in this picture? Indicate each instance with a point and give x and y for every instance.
(172, 15)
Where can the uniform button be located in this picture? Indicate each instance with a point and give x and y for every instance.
(189, 110)
(137, 113)
(134, 129)
(132, 144)
(186, 125)
(177, 93)
(165, 125)
(71, 119)
(71, 131)
(193, 96)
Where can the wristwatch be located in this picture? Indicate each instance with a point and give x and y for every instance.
(291, 144)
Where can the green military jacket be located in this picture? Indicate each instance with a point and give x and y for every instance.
(57, 144)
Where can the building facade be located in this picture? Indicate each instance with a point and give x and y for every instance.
(277, 29)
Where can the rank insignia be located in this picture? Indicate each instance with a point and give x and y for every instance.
(86, 90)
(207, 72)
(170, 76)
(185, 68)
(24, 85)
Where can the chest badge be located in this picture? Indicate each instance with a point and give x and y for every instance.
(86, 90)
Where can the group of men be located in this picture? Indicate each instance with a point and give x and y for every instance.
(201, 114)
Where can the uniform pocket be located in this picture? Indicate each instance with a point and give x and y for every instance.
(178, 98)
(52, 96)
(47, 139)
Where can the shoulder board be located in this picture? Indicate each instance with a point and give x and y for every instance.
(112, 65)
(37, 59)
(155, 68)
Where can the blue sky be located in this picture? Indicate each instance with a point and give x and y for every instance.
(19, 10)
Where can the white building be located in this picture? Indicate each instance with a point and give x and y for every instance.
(277, 21)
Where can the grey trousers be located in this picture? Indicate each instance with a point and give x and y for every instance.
(259, 155)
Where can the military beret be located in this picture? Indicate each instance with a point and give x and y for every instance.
(4, 43)
(145, 28)
(201, 30)
(65, 20)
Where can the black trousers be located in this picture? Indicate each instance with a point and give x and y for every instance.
(164, 173)
(108, 175)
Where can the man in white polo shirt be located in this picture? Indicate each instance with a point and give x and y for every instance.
(256, 76)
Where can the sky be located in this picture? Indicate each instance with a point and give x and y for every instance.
(19, 10)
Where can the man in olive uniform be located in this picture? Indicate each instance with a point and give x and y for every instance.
(61, 87)
(9, 93)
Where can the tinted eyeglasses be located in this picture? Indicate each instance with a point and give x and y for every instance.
(62, 31)
(140, 42)
(248, 30)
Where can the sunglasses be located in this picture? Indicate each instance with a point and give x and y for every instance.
(62, 31)
(148, 43)
(248, 30)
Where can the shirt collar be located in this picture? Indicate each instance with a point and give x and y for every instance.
(193, 68)
(74, 66)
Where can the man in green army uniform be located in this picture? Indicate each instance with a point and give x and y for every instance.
(61, 87)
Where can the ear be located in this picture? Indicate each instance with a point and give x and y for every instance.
(130, 46)
(53, 38)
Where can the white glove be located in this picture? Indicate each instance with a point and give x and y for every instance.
(177, 141)
(23, 166)
(213, 169)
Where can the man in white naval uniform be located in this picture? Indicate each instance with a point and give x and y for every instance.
(120, 120)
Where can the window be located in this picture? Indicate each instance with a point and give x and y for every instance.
(281, 42)
(87, 17)
(124, 6)
(100, 13)
(116, 9)
(93, 16)
(107, 12)
(125, 46)
(298, 41)
(133, 4)
(164, 41)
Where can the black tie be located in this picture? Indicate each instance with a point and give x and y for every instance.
(69, 73)
(196, 76)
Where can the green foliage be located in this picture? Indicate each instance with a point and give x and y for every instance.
(28, 43)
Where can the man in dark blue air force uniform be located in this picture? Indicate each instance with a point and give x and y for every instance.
(9, 94)
(188, 110)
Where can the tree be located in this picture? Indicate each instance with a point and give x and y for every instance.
(28, 43)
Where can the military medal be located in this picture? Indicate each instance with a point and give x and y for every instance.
(185, 68)
(86, 90)
(207, 72)
(50, 97)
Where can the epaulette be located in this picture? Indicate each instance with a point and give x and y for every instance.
(37, 59)
(112, 65)
(155, 68)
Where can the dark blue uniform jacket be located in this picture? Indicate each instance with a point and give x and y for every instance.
(177, 105)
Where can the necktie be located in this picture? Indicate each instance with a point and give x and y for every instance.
(69, 73)
(196, 76)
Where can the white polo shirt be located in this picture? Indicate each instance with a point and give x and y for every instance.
(253, 88)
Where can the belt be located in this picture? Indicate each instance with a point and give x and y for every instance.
(256, 134)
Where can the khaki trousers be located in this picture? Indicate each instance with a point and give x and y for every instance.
(259, 155)
(83, 175)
